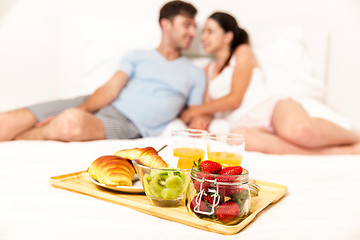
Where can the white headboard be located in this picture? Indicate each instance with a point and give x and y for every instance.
(91, 47)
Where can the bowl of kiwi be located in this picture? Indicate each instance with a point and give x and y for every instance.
(165, 187)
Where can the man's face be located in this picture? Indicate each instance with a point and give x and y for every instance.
(181, 30)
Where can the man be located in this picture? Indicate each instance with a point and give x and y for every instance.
(148, 91)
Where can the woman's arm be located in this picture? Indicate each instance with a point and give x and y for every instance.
(245, 63)
(206, 94)
(105, 94)
(202, 121)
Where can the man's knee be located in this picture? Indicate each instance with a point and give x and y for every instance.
(68, 125)
(14, 122)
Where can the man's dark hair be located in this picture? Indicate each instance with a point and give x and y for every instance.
(174, 8)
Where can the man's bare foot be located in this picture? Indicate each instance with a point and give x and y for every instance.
(356, 148)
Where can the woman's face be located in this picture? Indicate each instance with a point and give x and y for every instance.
(213, 36)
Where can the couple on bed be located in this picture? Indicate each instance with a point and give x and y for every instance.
(152, 88)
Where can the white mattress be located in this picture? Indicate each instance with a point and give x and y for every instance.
(322, 202)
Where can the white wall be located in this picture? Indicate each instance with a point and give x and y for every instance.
(30, 31)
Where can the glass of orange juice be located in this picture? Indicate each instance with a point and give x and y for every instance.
(227, 149)
(188, 146)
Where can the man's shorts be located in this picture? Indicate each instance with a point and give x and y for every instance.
(117, 125)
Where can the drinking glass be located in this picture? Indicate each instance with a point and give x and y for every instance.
(188, 146)
(226, 148)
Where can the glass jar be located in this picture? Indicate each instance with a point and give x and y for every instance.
(219, 198)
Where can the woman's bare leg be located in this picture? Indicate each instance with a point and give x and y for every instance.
(260, 140)
(71, 125)
(14, 122)
(293, 124)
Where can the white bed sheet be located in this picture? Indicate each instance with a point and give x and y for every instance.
(322, 201)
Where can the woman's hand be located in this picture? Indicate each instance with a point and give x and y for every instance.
(188, 114)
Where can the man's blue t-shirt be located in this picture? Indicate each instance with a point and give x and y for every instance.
(158, 89)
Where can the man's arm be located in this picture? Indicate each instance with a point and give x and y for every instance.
(105, 94)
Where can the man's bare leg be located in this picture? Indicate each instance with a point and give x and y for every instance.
(293, 124)
(15, 122)
(259, 140)
(71, 125)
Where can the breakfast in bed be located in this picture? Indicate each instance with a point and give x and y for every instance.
(204, 177)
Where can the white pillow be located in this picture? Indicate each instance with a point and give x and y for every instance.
(287, 66)
(319, 110)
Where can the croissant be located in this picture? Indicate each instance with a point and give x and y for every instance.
(147, 156)
(112, 170)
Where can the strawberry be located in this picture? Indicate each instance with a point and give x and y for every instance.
(227, 211)
(241, 195)
(206, 184)
(202, 207)
(233, 170)
(210, 167)
(226, 178)
(198, 187)
(210, 199)
(207, 176)
(228, 190)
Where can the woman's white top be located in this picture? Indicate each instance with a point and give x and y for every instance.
(220, 86)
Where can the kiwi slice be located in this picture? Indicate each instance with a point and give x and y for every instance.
(157, 183)
(174, 182)
(174, 187)
(181, 175)
(170, 193)
(147, 187)
(155, 173)
(148, 177)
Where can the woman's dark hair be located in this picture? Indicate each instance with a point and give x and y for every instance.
(174, 8)
(228, 23)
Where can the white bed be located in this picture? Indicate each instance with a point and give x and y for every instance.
(321, 203)
(323, 192)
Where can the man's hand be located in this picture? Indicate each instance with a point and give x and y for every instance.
(189, 114)
(45, 121)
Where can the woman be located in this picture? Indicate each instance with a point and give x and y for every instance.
(236, 92)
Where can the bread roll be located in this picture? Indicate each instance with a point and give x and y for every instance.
(112, 170)
(147, 156)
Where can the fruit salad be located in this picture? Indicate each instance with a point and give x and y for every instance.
(219, 194)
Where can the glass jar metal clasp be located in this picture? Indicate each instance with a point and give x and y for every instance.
(214, 193)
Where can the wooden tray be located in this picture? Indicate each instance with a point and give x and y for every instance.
(79, 182)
